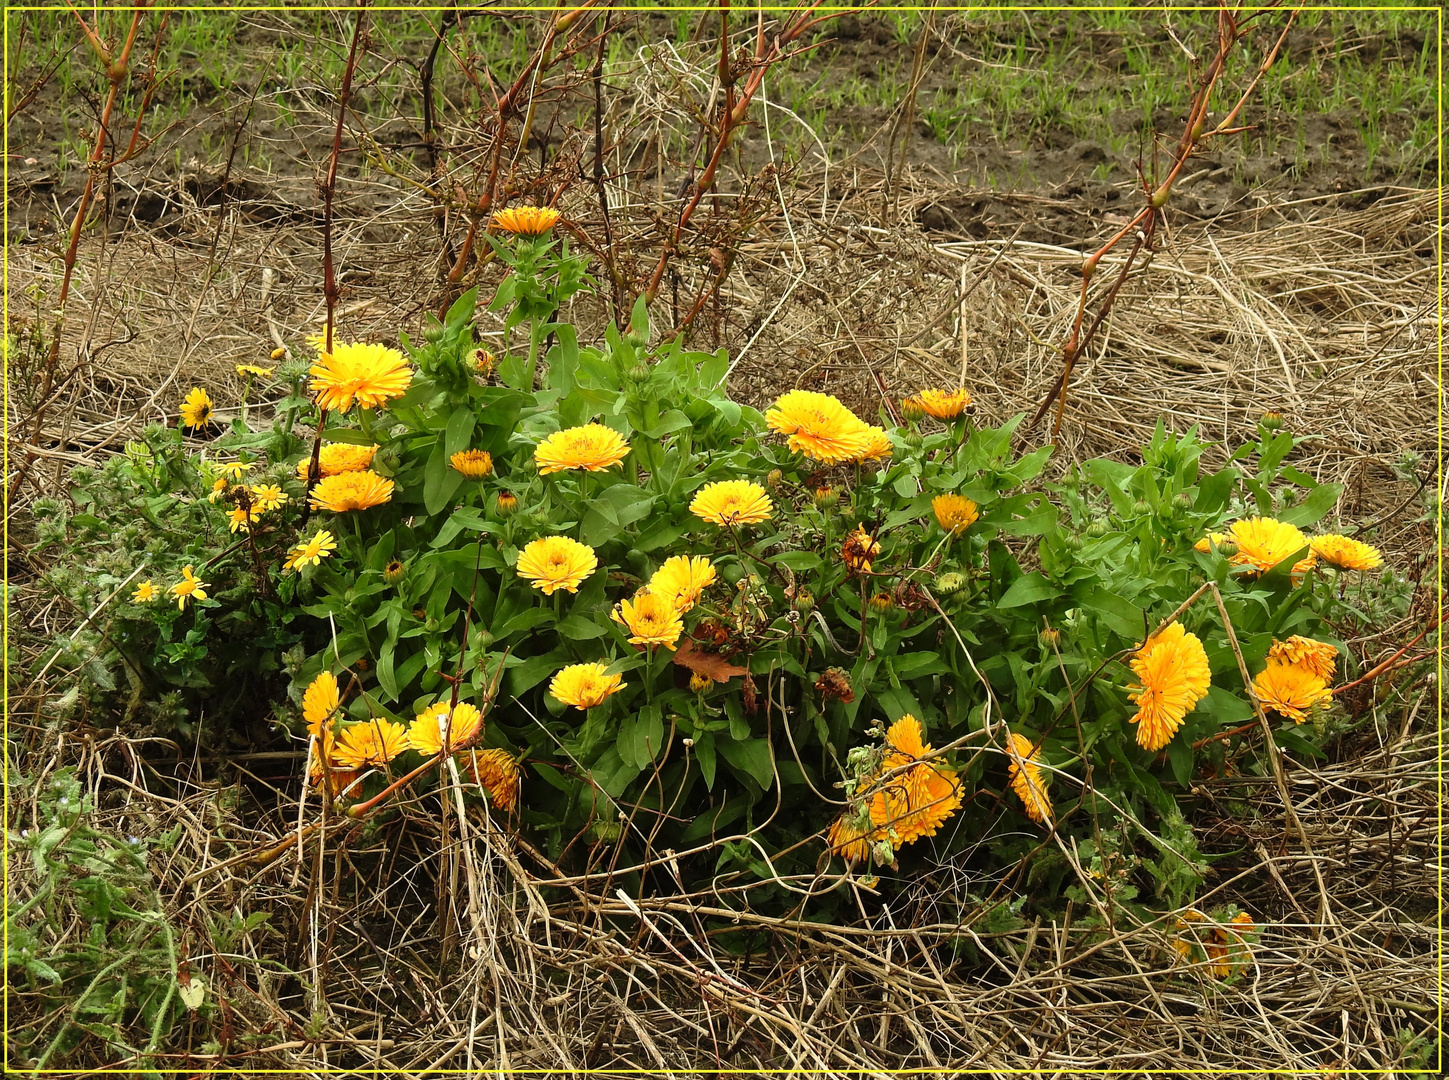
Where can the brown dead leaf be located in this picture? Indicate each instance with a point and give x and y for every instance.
(702, 662)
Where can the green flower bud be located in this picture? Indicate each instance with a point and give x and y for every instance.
(1182, 500)
(1097, 529)
(827, 496)
(506, 504)
(773, 478)
(1271, 421)
(394, 571)
(638, 374)
(804, 601)
(1073, 541)
(950, 583)
(1141, 508)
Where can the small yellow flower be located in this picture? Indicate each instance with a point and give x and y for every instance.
(956, 513)
(238, 518)
(556, 562)
(944, 404)
(368, 375)
(426, 733)
(882, 601)
(252, 369)
(336, 458)
(682, 579)
(313, 551)
(700, 684)
(320, 701)
(526, 220)
(1210, 541)
(196, 409)
(375, 742)
(188, 588)
(267, 497)
(506, 504)
(732, 502)
(585, 685)
(145, 593)
(651, 619)
(233, 470)
(474, 464)
(351, 491)
(819, 426)
(1346, 553)
(1172, 670)
(1315, 657)
(593, 447)
(218, 488)
(1291, 690)
(1027, 779)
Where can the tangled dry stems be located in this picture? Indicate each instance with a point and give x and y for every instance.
(416, 948)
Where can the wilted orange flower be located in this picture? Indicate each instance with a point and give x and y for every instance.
(320, 701)
(593, 447)
(1172, 670)
(1346, 553)
(834, 685)
(326, 747)
(497, 770)
(425, 733)
(526, 220)
(556, 562)
(944, 404)
(375, 742)
(351, 491)
(682, 579)
(474, 464)
(652, 619)
(1291, 690)
(368, 375)
(337, 458)
(732, 502)
(956, 513)
(819, 426)
(850, 836)
(585, 685)
(858, 550)
(1026, 777)
(917, 801)
(1317, 657)
(1264, 543)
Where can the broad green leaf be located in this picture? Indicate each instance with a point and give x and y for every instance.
(1310, 511)
(752, 758)
(704, 754)
(798, 561)
(440, 480)
(1030, 588)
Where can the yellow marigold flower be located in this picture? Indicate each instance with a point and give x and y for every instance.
(320, 701)
(506, 504)
(426, 733)
(145, 593)
(819, 426)
(882, 601)
(858, 550)
(944, 404)
(700, 684)
(850, 837)
(267, 497)
(313, 551)
(335, 458)
(682, 579)
(652, 619)
(1027, 778)
(732, 502)
(1346, 553)
(474, 464)
(1291, 690)
(911, 408)
(351, 491)
(917, 801)
(365, 374)
(556, 562)
(196, 409)
(326, 747)
(218, 488)
(526, 220)
(252, 369)
(593, 447)
(585, 685)
(233, 470)
(375, 742)
(1317, 657)
(1210, 541)
(188, 588)
(497, 770)
(956, 513)
(1264, 543)
(877, 444)
(1172, 673)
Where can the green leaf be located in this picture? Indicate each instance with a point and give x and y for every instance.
(670, 422)
(1310, 511)
(613, 509)
(798, 561)
(1120, 615)
(1179, 756)
(612, 773)
(458, 432)
(641, 736)
(440, 480)
(751, 758)
(527, 674)
(704, 754)
(579, 628)
(1030, 588)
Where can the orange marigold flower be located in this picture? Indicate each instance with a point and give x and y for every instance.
(956, 513)
(850, 837)
(1317, 657)
(1346, 553)
(593, 447)
(427, 731)
(652, 619)
(1264, 543)
(474, 464)
(1026, 777)
(1172, 670)
(375, 742)
(916, 801)
(320, 701)
(498, 771)
(326, 747)
(877, 445)
(682, 579)
(551, 563)
(335, 458)
(944, 404)
(732, 502)
(368, 375)
(585, 685)
(1291, 690)
(820, 426)
(351, 491)
(526, 220)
